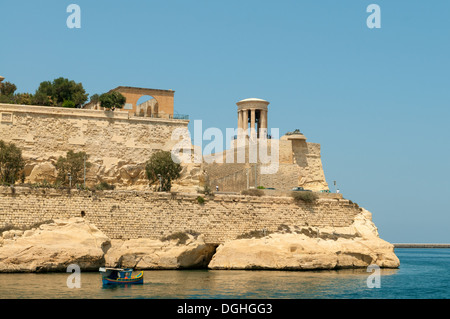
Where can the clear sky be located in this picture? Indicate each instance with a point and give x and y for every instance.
(377, 100)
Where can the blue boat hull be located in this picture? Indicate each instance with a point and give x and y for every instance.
(138, 279)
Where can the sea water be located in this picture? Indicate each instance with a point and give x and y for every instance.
(423, 274)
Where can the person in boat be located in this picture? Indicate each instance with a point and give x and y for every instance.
(114, 275)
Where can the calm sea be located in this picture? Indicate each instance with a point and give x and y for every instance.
(423, 274)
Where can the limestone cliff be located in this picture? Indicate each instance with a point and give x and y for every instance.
(147, 253)
(55, 245)
(310, 248)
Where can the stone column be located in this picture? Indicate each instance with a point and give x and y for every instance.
(263, 124)
(252, 123)
(265, 119)
(239, 120)
(245, 122)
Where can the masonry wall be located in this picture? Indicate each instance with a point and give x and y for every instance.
(117, 143)
(133, 214)
(300, 164)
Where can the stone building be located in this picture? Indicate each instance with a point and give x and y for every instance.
(120, 142)
(159, 105)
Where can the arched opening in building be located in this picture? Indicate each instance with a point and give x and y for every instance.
(147, 106)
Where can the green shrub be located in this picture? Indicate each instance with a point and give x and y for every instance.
(11, 163)
(252, 192)
(304, 196)
(74, 164)
(161, 170)
(104, 186)
(200, 200)
(69, 104)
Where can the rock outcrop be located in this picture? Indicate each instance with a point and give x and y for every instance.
(53, 247)
(118, 173)
(156, 254)
(310, 248)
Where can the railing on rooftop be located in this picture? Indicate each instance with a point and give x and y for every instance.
(268, 137)
(179, 116)
(162, 116)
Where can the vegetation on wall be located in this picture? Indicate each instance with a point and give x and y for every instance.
(161, 170)
(200, 200)
(304, 196)
(73, 164)
(11, 163)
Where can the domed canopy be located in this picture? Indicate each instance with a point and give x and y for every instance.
(1, 78)
(253, 100)
(253, 111)
(252, 103)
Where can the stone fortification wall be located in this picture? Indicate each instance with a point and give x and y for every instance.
(134, 214)
(118, 144)
(300, 164)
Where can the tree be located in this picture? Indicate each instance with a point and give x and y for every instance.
(60, 90)
(23, 98)
(11, 163)
(73, 163)
(69, 104)
(112, 100)
(161, 165)
(7, 88)
(94, 98)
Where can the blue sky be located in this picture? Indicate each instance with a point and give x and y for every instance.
(375, 99)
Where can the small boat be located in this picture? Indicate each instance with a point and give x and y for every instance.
(115, 276)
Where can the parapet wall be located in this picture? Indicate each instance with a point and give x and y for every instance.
(134, 214)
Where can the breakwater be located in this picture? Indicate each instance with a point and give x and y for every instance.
(421, 245)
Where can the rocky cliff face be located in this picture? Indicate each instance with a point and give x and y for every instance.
(156, 254)
(310, 248)
(55, 245)
(118, 173)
